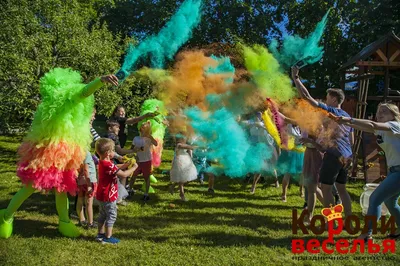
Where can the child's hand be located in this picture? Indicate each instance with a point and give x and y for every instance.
(90, 191)
(111, 79)
(124, 166)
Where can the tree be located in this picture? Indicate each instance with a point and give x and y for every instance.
(39, 35)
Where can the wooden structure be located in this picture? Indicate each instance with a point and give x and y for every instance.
(378, 58)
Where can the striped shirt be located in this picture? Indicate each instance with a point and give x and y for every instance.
(94, 134)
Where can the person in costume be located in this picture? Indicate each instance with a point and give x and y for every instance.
(56, 144)
(183, 169)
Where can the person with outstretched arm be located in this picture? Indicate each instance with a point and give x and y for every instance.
(336, 158)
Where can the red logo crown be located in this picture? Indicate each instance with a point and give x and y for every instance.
(333, 213)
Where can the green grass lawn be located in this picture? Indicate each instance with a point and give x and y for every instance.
(231, 228)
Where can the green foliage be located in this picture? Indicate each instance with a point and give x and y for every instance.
(131, 94)
(40, 35)
(91, 36)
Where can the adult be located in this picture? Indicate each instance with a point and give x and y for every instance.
(336, 158)
(119, 116)
(387, 130)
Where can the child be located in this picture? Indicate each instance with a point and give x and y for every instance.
(183, 169)
(202, 163)
(142, 145)
(87, 186)
(113, 129)
(107, 191)
(291, 162)
(112, 133)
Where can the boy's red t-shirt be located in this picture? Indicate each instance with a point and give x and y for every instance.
(107, 188)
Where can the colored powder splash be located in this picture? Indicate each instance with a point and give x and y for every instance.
(295, 48)
(188, 85)
(218, 127)
(224, 67)
(228, 143)
(166, 43)
(157, 126)
(155, 75)
(298, 109)
(267, 75)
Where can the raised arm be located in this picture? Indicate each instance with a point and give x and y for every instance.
(96, 84)
(185, 146)
(288, 120)
(363, 124)
(122, 151)
(301, 88)
(135, 120)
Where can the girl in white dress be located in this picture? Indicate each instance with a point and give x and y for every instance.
(183, 169)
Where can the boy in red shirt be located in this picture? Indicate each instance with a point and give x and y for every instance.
(107, 189)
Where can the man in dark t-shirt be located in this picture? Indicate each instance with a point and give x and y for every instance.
(334, 165)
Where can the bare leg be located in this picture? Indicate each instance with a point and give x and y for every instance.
(285, 184)
(327, 194)
(345, 197)
(182, 191)
(211, 180)
(276, 179)
(79, 209)
(132, 182)
(109, 231)
(147, 180)
(89, 209)
(255, 181)
(311, 199)
(301, 183)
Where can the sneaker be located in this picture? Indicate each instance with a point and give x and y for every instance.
(183, 199)
(92, 225)
(146, 198)
(111, 240)
(131, 191)
(283, 198)
(100, 237)
(83, 223)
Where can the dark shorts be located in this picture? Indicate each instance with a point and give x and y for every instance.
(143, 168)
(332, 170)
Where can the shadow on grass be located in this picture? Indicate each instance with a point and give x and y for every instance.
(35, 228)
